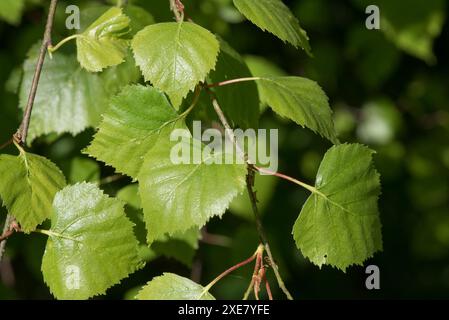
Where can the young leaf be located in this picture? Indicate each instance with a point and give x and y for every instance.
(339, 224)
(100, 45)
(139, 17)
(91, 245)
(175, 56)
(28, 184)
(176, 197)
(275, 17)
(170, 286)
(240, 102)
(130, 127)
(70, 99)
(301, 100)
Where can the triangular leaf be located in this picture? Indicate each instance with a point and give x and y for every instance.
(176, 197)
(275, 17)
(339, 224)
(100, 45)
(170, 286)
(91, 244)
(175, 57)
(70, 99)
(28, 185)
(130, 127)
(301, 100)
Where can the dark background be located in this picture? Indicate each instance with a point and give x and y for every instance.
(389, 89)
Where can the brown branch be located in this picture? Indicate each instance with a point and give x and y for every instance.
(251, 193)
(253, 198)
(22, 133)
(4, 236)
(20, 136)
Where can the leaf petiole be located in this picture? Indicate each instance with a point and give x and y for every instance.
(232, 81)
(52, 49)
(257, 253)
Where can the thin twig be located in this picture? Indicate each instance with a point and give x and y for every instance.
(252, 196)
(23, 130)
(21, 135)
(253, 278)
(215, 239)
(227, 82)
(6, 229)
(230, 270)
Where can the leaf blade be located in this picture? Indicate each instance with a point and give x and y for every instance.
(100, 46)
(89, 230)
(170, 286)
(167, 189)
(301, 100)
(175, 57)
(130, 127)
(275, 17)
(339, 224)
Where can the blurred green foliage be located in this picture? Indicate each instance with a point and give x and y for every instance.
(389, 89)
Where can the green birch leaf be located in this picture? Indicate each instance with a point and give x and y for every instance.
(260, 67)
(139, 17)
(240, 102)
(178, 194)
(275, 17)
(339, 224)
(301, 100)
(170, 286)
(11, 10)
(70, 99)
(100, 45)
(175, 57)
(28, 185)
(91, 244)
(130, 127)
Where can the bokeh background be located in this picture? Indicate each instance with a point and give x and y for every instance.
(388, 88)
